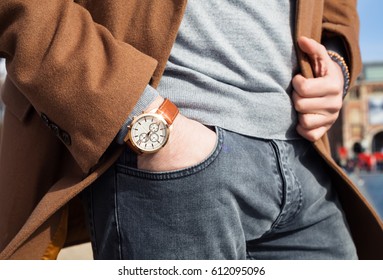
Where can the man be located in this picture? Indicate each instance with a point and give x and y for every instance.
(82, 68)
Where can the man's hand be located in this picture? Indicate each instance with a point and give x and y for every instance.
(190, 142)
(317, 100)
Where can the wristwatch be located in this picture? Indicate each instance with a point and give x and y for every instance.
(150, 131)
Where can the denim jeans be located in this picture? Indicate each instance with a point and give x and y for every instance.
(250, 199)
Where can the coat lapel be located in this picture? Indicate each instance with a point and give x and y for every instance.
(308, 23)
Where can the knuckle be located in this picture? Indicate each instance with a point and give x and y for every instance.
(335, 88)
(322, 49)
(298, 104)
(313, 135)
(307, 134)
(304, 121)
(333, 118)
(305, 88)
(295, 80)
(301, 86)
(336, 106)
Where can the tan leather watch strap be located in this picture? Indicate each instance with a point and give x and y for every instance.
(168, 110)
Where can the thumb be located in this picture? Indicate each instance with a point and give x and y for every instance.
(317, 54)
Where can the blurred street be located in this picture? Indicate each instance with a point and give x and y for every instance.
(371, 185)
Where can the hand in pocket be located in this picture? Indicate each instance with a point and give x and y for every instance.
(190, 143)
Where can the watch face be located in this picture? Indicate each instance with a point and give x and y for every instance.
(149, 133)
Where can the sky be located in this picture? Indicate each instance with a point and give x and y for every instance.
(371, 29)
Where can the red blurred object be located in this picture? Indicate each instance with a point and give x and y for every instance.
(378, 156)
(366, 161)
(342, 152)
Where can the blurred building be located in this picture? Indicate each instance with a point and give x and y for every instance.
(359, 129)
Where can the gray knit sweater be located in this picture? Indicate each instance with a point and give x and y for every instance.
(231, 66)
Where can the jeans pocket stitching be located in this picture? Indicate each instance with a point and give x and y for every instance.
(284, 187)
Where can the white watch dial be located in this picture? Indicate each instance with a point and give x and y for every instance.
(149, 132)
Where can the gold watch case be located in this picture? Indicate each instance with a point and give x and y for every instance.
(148, 133)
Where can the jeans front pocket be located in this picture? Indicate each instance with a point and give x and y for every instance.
(168, 215)
(124, 164)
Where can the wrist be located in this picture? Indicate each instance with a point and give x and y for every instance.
(150, 131)
(344, 68)
(148, 97)
(155, 104)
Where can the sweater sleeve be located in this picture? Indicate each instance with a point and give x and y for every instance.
(75, 74)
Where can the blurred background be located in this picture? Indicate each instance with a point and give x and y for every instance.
(357, 136)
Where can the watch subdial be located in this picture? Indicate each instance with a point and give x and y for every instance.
(144, 137)
(154, 137)
(154, 127)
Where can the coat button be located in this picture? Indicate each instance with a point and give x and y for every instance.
(55, 129)
(45, 119)
(65, 137)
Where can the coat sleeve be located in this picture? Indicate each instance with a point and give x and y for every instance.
(340, 19)
(76, 75)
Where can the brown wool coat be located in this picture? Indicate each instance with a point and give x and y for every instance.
(75, 71)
